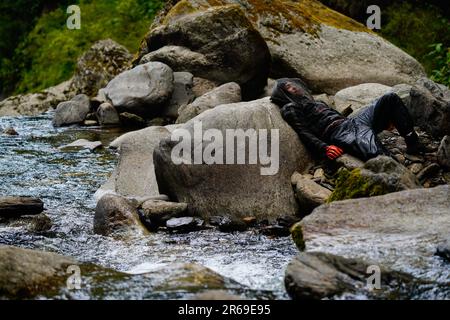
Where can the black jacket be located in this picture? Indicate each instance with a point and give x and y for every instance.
(312, 120)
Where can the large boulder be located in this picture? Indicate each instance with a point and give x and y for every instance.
(72, 112)
(142, 90)
(116, 217)
(234, 190)
(218, 44)
(309, 194)
(359, 96)
(400, 230)
(183, 94)
(308, 40)
(18, 206)
(99, 65)
(32, 104)
(429, 105)
(225, 94)
(134, 175)
(107, 115)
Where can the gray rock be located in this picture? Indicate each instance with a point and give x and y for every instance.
(99, 65)
(32, 104)
(40, 223)
(117, 218)
(142, 90)
(225, 94)
(397, 229)
(219, 44)
(107, 115)
(182, 93)
(134, 175)
(130, 120)
(227, 224)
(359, 96)
(236, 190)
(202, 86)
(158, 212)
(429, 105)
(19, 206)
(443, 153)
(428, 172)
(443, 250)
(72, 112)
(184, 224)
(10, 131)
(308, 193)
(83, 144)
(319, 275)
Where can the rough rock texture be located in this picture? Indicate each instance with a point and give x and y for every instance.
(359, 96)
(202, 86)
(378, 176)
(308, 40)
(116, 217)
(400, 229)
(35, 103)
(236, 190)
(142, 90)
(158, 212)
(135, 174)
(182, 94)
(349, 162)
(219, 44)
(19, 206)
(308, 193)
(429, 105)
(444, 153)
(72, 112)
(100, 64)
(225, 94)
(107, 115)
(319, 275)
(27, 272)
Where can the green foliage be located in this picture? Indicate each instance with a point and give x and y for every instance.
(440, 56)
(48, 54)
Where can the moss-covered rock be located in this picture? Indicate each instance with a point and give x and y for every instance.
(297, 236)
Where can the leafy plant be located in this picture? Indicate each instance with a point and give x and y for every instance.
(441, 58)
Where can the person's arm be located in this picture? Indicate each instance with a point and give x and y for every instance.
(310, 140)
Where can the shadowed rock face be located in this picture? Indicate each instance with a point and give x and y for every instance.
(236, 190)
(307, 39)
(219, 44)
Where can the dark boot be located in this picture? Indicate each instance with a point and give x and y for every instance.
(413, 145)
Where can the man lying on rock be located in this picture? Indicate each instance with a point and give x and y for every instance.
(324, 131)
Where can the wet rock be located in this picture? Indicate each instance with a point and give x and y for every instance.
(72, 112)
(182, 94)
(275, 231)
(134, 175)
(158, 212)
(142, 90)
(130, 120)
(297, 236)
(184, 224)
(443, 154)
(99, 65)
(237, 189)
(308, 193)
(225, 94)
(26, 273)
(32, 104)
(359, 96)
(443, 250)
(117, 218)
(216, 295)
(107, 115)
(428, 172)
(349, 162)
(40, 223)
(319, 275)
(10, 131)
(378, 176)
(83, 144)
(227, 224)
(219, 44)
(19, 206)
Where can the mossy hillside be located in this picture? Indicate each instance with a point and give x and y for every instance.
(353, 184)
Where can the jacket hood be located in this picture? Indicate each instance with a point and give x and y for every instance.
(281, 96)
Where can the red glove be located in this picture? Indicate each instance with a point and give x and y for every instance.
(333, 152)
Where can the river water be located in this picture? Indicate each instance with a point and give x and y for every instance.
(32, 165)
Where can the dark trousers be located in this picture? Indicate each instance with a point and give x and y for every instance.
(358, 134)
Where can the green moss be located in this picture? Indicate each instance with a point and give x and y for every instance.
(352, 184)
(297, 236)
